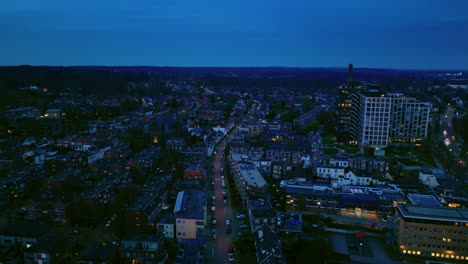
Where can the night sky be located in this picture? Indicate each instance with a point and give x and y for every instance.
(405, 34)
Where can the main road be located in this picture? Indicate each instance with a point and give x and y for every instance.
(221, 237)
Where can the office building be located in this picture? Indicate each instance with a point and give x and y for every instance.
(438, 232)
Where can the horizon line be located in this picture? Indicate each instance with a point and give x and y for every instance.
(292, 67)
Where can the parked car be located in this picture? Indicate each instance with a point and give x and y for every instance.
(240, 216)
(231, 257)
(244, 225)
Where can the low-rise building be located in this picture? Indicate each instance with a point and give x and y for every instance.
(249, 180)
(196, 173)
(329, 172)
(359, 201)
(25, 234)
(190, 213)
(139, 248)
(147, 206)
(166, 225)
(268, 246)
(261, 212)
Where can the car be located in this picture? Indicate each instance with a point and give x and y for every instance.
(225, 201)
(231, 257)
(228, 229)
(228, 222)
(244, 225)
(240, 216)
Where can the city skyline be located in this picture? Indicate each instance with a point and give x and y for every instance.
(398, 35)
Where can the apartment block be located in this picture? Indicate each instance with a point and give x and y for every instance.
(190, 214)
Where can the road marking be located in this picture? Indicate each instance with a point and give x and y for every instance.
(212, 252)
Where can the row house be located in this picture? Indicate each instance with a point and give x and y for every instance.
(166, 225)
(177, 144)
(25, 234)
(196, 173)
(140, 248)
(141, 214)
(261, 212)
(45, 210)
(351, 178)
(329, 172)
(249, 180)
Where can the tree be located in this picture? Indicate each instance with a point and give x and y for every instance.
(306, 105)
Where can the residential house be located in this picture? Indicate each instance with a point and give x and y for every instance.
(196, 173)
(140, 248)
(175, 144)
(329, 172)
(280, 169)
(166, 225)
(25, 234)
(48, 250)
(261, 212)
(191, 251)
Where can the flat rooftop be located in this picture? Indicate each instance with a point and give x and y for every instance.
(190, 204)
(423, 200)
(433, 213)
(251, 176)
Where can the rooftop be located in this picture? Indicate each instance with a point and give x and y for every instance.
(190, 204)
(251, 176)
(25, 229)
(191, 251)
(433, 213)
(423, 200)
(143, 201)
(268, 245)
(167, 218)
(291, 222)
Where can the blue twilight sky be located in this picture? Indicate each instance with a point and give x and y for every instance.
(415, 34)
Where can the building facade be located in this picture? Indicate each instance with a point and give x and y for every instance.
(438, 232)
(190, 214)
